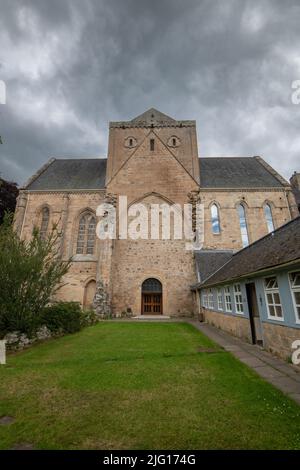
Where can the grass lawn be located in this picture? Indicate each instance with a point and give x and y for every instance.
(140, 386)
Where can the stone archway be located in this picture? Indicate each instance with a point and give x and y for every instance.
(89, 294)
(152, 297)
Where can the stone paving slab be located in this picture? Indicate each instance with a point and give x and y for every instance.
(296, 397)
(268, 372)
(284, 376)
(251, 361)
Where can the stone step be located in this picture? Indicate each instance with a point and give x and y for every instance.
(151, 317)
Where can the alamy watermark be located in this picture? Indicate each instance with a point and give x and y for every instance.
(2, 92)
(152, 222)
(295, 96)
(296, 353)
(3, 352)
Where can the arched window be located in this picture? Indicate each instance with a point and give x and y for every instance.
(86, 234)
(44, 222)
(215, 220)
(243, 225)
(152, 285)
(269, 217)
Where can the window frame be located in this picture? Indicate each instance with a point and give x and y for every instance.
(87, 242)
(267, 207)
(210, 299)
(293, 290)
(244, 217)
(220, 293)
(204, 299)
(227, 292)
(271, 291)
(44, 222)
(238, 303)
(213, 218)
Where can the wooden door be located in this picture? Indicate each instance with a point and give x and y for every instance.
(151, 303)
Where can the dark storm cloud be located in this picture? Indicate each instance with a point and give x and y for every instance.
(71, 66)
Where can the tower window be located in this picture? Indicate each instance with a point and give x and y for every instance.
(174, 142)
(152, 145)
(130, 142)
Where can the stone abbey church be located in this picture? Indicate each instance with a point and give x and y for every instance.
(152, 158)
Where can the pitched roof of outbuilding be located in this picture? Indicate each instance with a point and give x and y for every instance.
(208, 261)
(238, 172)
(72, 174)
(275, 249)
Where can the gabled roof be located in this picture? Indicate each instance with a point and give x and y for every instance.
(238, 172)
(272, 251)
(152, 118)
(70, 174)
(208, 261)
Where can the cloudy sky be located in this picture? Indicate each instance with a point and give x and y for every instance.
(70, 66)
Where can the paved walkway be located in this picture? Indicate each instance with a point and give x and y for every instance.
(284, 376)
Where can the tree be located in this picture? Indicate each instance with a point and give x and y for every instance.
(30, 274)
(8, 197)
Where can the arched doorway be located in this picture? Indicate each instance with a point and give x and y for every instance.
(152, 297)
(89, 294)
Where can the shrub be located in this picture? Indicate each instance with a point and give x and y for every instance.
(63, 317)
(30, 274)
(88, 318)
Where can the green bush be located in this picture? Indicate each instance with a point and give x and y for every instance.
(31, 272)
(64, 317)
(88, 318)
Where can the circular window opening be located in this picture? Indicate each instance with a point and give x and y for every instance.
(130, 142)
(173, 141)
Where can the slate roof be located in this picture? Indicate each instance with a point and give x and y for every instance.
(208, 261)
(238, 172)
(70, 174)
(275, 249)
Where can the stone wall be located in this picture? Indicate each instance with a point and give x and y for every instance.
(230, 235)
(278, 339)
(236, 326)
(65, 209)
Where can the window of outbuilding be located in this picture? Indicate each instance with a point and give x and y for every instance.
(228, 302)
(295, 287)
(220, 299)
(238, 299)
(210, 299)
(273, 298)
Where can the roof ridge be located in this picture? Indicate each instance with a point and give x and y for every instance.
(271, 170)
(243, 250)
(38, 173)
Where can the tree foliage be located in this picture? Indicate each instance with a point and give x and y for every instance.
(8, 197)
(30, 274)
